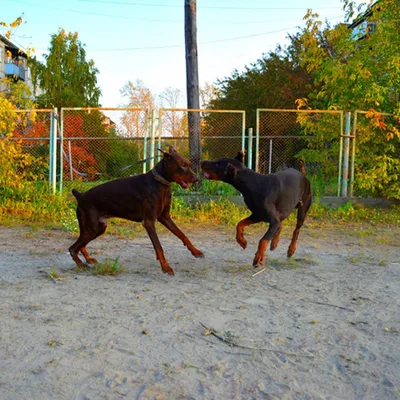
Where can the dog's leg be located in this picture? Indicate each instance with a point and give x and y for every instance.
(240, 229)
(80, 245)
(275, 240)
(90, 226)
(301, 215)
(151, 230)
(101, 228)
(273, 229)
(85, 254)
(169, 224)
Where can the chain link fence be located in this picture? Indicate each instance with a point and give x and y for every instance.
(221, 131)
(30, 129)
(375, 152)
(96, 145)
(99, 144)
(286, 136)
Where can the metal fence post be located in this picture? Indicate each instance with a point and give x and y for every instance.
(353, 153)
(159, 134)
(145, 148)
(340, 155)
(53, 152)
(152, 136)
(257, 141)
(346, 154)
(61, 124)
(71, 173)
(250, 153)
(270, 157)
(244, 131)
(51, 137)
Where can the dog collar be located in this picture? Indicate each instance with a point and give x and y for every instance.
(159, 178)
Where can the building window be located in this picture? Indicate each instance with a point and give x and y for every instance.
(371, 28)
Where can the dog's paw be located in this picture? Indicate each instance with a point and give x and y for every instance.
(258, 260)
(242, 241)
(198, 254)
(167, 269)
(290, 251)
(91, 260)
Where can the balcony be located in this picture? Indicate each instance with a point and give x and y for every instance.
(14, 70)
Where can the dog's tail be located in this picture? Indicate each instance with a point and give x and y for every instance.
(303, 166)
(77, 194)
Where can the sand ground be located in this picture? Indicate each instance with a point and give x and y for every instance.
(324, 325)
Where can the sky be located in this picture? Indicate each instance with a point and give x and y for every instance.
(138, 39)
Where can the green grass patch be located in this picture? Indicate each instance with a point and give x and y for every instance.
(350, 213)
(108, 267)
(206, 188)
(37, 208)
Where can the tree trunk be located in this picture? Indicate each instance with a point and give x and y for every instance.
(192, 84)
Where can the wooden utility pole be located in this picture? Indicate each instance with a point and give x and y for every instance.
(192, 83)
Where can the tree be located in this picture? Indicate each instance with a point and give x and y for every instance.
(208, 93)
(7, 117)
(275, 80)
(10, 27)
(361, 71)
(18, 169)
(139, 96)
(170, 97)
(18, 93)
(352, 70)
(173, 123)
(66, 78)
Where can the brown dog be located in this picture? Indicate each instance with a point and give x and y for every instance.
(270, 198)
(143, 198)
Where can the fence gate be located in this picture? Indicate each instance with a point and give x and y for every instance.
(98, 144)
(222, 132)
(284, 136)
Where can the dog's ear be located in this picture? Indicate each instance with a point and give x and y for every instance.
(172, 150)
(165, 153)
(240, 156)
(230, 170)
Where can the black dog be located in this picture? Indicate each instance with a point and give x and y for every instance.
(143, 198)
(270, 198)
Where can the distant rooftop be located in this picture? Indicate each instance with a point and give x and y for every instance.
(12, 46)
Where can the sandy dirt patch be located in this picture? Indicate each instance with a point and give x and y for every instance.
(322, 326)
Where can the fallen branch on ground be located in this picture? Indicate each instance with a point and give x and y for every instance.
(330, 305)
(259, 272)
(232, 344)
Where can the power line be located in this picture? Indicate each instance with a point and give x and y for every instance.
(201, 43)
(140, 48)
(144, 20)
(248, 36)
(164, 46)
(36, 5)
